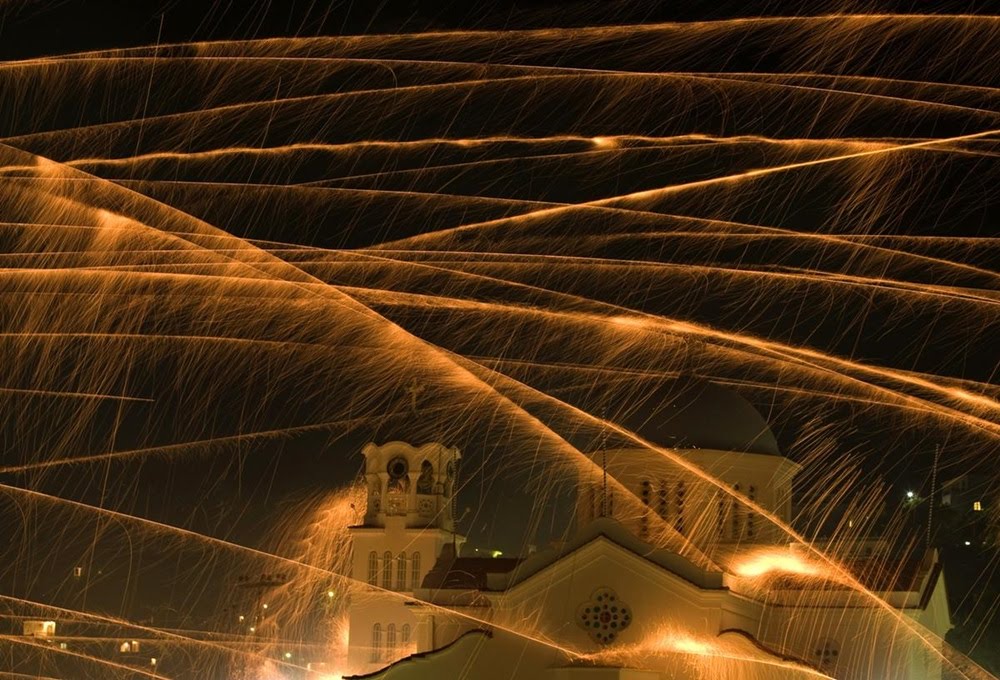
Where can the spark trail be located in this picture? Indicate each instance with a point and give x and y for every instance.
(225, 266)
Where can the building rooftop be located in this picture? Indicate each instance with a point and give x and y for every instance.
(682, 413)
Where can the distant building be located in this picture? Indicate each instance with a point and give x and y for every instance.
(42, 629)
(964, 493)
(962, 517)
(247, 608)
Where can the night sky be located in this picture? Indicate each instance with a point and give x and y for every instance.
(237, 495)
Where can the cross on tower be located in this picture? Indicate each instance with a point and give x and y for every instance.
(415, 388)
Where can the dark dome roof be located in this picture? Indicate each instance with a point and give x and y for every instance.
(685, 413)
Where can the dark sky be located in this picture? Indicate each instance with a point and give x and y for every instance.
(236, 496)
(31, 28)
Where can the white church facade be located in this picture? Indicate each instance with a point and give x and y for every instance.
(615, 600)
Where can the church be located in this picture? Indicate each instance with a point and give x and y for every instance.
(665, 576)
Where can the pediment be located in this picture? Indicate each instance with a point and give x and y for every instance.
(608, 538)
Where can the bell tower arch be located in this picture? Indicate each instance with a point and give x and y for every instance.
(410, 486)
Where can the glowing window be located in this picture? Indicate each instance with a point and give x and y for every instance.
(372, 568)
(977, 506)
(376, 642)
(415, 570)
(401, 571)
(387, 570)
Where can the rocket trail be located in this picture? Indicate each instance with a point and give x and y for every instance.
(18, 140)
(157, 633)
(545, 174)
(28, 642)
(640, 196)
(193, 535)
(802, 356)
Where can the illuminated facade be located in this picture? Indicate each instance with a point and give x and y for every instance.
(612, 602)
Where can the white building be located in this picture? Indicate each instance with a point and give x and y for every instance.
(408, 522)
(653, 585)
(43, 629)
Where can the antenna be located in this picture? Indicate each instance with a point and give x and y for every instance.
(454, 530)
(604, 460)
(454, 508)
(930, 506)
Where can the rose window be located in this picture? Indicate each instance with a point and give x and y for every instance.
(604, 616)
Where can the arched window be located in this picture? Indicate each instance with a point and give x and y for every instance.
(404, 634)
(377, 642)
(644, 494)
(398, 469)
(662, 506)
(736, 515)
(679, 503)
(398, 485)
(401, 571)
(390, 641)
(373, 568)
(387, 570)
(415, 570)
(751, 514)
(425, 483)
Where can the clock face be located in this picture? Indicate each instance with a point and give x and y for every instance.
(604, 616)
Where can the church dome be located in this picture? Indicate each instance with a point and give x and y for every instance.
(685, 413)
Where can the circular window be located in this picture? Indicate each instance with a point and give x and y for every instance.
(397, 467)
(604, 616)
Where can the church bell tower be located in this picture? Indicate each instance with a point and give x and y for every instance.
(409, 519)
(410, 487)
